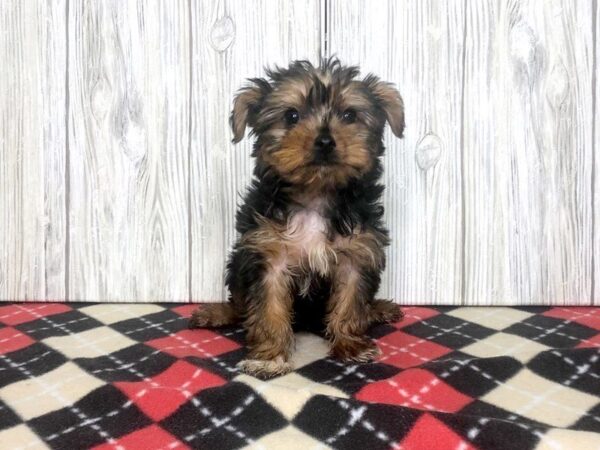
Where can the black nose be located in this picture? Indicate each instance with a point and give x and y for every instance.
(324, 142)
(324, 149)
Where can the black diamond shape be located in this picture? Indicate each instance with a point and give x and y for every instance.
(350, 378)
(227, 417)
(448, 331)
(29, 362)
(480, 408)
(576, 368)
(551, 332)
(107, 411)
(79, 305)
(151, 326)
(474, 376)
(8, 418)
(223, 365)
(133, 363)
(349, 424)
(590, 421)
(63, 324)
(533, 309)
(379, 331)
(489, 427)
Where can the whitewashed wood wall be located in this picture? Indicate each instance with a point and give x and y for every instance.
(118, 181)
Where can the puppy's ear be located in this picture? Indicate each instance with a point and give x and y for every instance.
(391, 102)
(246, 106)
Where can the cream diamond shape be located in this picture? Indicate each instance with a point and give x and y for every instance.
(539, 399)
(496, 318)
(89, 344)
(54, 390)
(112, 313)
(504, 344)
(309, 348)
(569, 439)
(21, 437)
(289, 438)
(289, 393)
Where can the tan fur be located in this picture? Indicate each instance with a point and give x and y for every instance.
(384, 311)
(347, 321)
(363, 249)
(304, 247)
(393, 106)
(213, 315)
(265, 368)
(291, 93)
(292, 149)
(241, 108)
(269, 324)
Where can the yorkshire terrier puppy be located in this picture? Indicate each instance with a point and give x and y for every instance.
(311, 239)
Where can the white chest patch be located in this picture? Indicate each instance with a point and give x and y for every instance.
(306, 238)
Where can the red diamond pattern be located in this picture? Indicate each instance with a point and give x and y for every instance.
(404, 350)
(187, 391)
(590, 343)
(413, 314)
(415, 388)
(201, 343)
(185, 310)
(584, 315)
(149, 437)
(17, 314)
(428, 433)
(12, 339)
(161, 395)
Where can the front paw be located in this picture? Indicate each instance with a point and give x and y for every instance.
(355, 350)
(265, 368)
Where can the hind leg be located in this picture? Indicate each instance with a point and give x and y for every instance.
(213, 315)
(384, 311)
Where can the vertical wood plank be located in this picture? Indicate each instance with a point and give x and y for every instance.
(527, 152)
(129, 128)
(596, 157)
(32, 150)
(232, 41)
(417, 46)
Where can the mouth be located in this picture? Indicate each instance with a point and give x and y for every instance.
(325, 159)
(323, 163)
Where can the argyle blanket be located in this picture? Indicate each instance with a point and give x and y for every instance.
(132, 376)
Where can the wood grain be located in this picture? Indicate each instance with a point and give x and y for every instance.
(527, 152)
(596, 157)
(417, 46)
(232, 41)
(32, 150)
(118, 180)
(129, 83)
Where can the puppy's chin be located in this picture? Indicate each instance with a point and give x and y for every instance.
(321, 176)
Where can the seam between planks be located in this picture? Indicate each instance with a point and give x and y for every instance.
(189, 155)
(463, 281)
(594, 149)
(67, 159)
(324, 30)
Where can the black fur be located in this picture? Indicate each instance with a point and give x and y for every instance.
(356, 206)
(310, 223)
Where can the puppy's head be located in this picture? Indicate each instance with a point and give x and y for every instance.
(317, 125)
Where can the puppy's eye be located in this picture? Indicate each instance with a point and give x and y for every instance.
(291, 116)
(349, 116)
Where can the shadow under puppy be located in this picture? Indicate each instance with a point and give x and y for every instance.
(311, 240)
